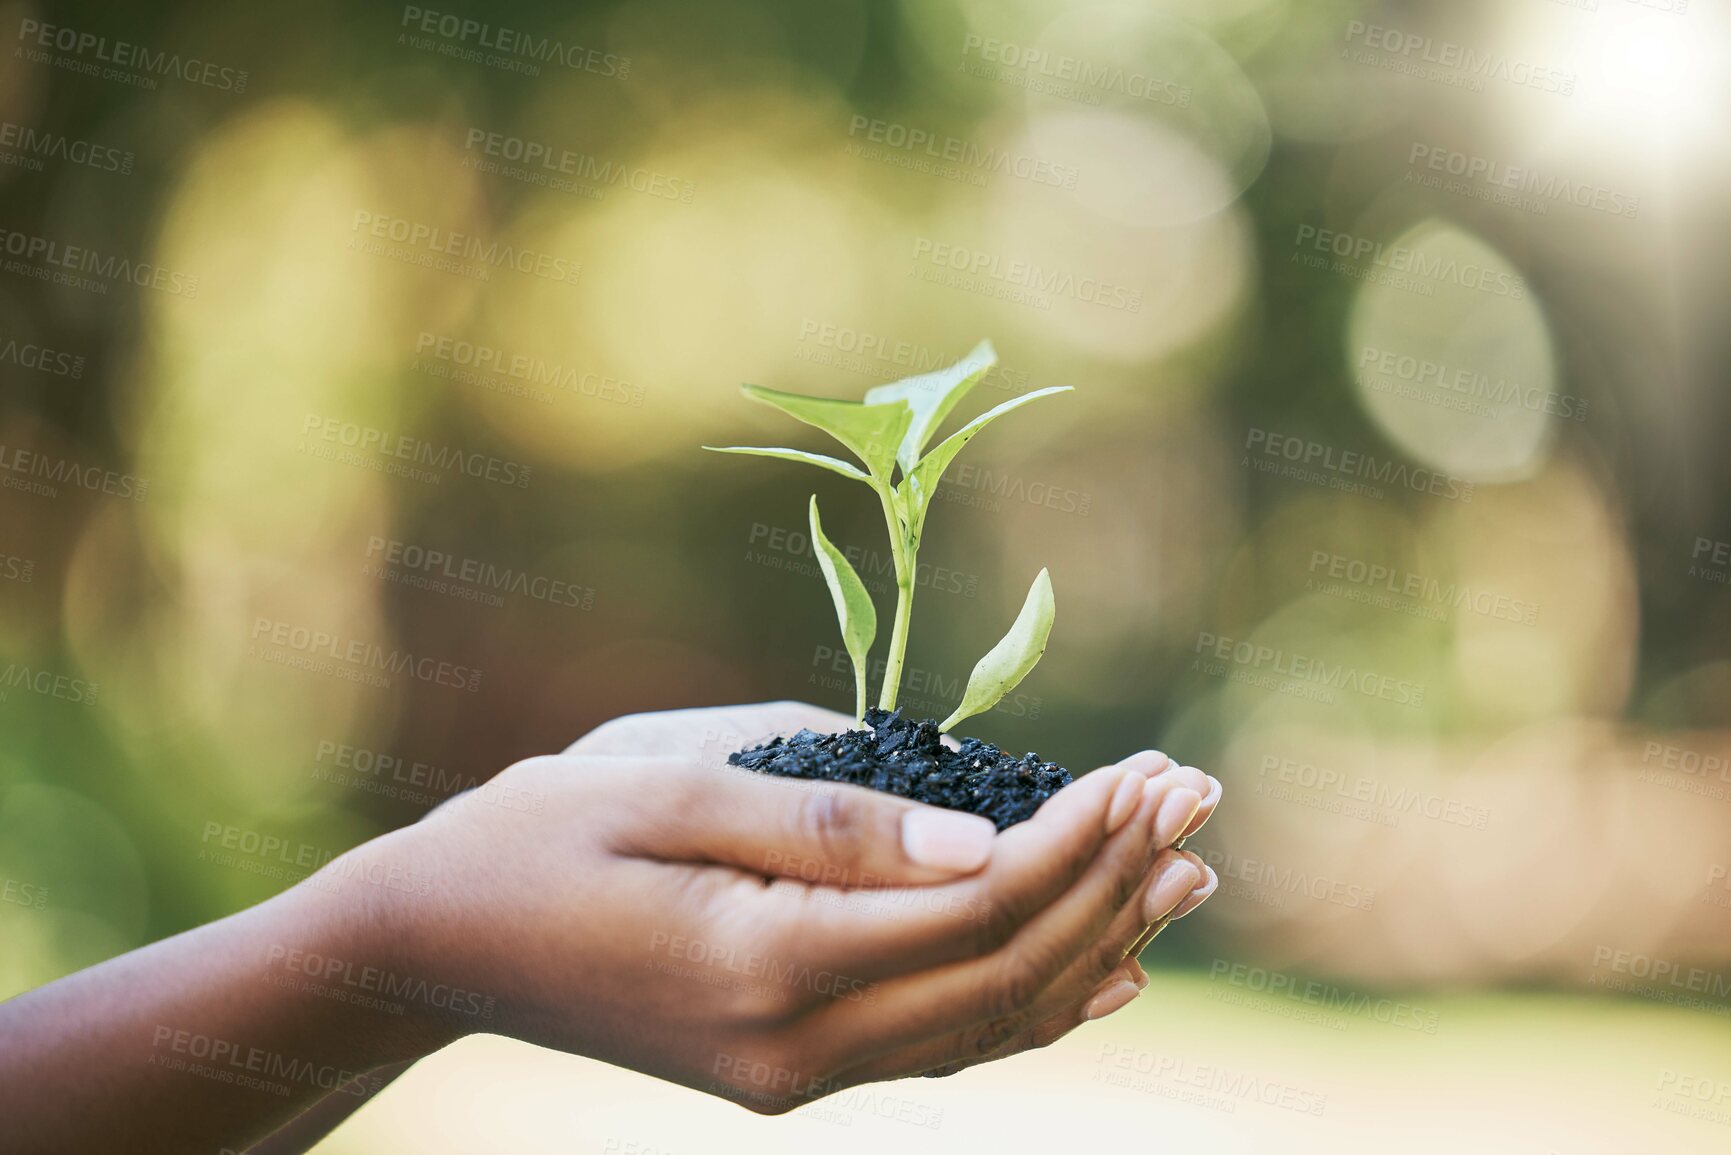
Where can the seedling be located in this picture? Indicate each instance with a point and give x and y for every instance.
(887, 433)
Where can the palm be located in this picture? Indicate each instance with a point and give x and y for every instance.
(706, 735)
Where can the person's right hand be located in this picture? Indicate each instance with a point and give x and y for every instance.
(664, 916)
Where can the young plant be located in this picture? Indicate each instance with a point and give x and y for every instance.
(888, 433)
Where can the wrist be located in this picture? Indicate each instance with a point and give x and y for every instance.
(343, 939)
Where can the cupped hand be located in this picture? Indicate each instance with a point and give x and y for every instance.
(773, 941)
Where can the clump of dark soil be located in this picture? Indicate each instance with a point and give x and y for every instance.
(899, 756)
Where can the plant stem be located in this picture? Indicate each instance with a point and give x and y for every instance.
(902, 555)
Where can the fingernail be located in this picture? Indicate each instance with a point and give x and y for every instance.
(1114, 998)
(1176, 811)
(1123, 803)
(947, 839)
(1137, 974)
(1148, 763)
(1196, 897)
(1203, 814)
(1171, 884)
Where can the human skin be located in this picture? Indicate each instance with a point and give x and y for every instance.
(627, 902)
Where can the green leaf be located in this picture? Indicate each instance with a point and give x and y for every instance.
(1009, 661)
(853, 606)
(834, 464)
(917, 487)
(873, 432)
(932, 396)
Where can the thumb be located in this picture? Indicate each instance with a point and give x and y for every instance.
(821, 832)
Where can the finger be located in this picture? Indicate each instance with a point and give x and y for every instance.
(827, 833)
(1173, 879)
(1094, 986)
(1210, 799)
(875, 934)
(708, 734)
(993, 998)
(1112, 994)
(940, 1058)
(1209, 884)
(1071, 999)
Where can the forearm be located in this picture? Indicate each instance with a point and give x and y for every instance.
(201, 1041)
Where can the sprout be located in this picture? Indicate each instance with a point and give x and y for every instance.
(887, 433)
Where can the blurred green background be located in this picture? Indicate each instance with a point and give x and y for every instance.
(356, 358)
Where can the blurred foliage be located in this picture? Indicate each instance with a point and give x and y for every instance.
(822, 198)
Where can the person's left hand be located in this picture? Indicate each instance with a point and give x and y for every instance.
(708, 735)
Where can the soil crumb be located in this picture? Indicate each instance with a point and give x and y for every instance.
(900, 756)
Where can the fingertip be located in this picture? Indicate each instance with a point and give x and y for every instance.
(948, 840)
(1124, 799)
(1147, 763)
(1205, 811)
(1176, 810)
(1114, 998)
